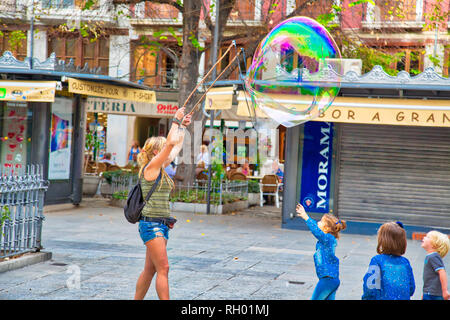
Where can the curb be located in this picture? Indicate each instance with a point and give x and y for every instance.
(58, 207)
(33, 258)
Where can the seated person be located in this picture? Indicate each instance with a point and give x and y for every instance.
(107, 159)
(170, 169)
(246, 168)
(133, 161)
(200, 167)
(277, 170)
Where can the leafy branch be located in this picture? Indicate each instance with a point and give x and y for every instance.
(5, 215)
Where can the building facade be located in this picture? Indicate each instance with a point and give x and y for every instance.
(379, 153)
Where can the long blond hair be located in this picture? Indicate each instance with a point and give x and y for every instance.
(147, 153)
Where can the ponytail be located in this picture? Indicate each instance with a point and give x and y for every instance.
(334, 224)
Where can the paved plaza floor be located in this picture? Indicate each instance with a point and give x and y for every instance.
(243, 255)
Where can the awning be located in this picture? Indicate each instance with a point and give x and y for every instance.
(410, 112)
(98, 89)
(245, 106)
(219, 98)
(23, 91)
(159, 109)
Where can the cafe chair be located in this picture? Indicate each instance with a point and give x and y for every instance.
(238, 176)
(269, 186)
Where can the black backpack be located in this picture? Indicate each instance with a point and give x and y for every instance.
(135, 201)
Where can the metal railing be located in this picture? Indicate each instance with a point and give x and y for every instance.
(123, 183)
(221, 192)
(21, 210)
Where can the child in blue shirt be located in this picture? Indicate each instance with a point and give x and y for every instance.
(327, 264)
(389, 276)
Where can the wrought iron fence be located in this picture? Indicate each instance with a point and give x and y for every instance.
(221, 192)
(123, 183)
(21, 210)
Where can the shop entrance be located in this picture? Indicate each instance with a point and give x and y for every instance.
(390, 173)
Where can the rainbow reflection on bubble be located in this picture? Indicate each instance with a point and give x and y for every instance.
(289, 78)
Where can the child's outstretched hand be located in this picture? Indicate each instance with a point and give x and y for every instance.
(301, 212)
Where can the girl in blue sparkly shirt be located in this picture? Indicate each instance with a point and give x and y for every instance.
(327, 264)
(389, 276)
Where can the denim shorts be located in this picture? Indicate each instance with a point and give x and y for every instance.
(151, 230)
(427, 296)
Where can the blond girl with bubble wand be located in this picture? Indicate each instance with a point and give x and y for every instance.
(327, 264)
(158, 153)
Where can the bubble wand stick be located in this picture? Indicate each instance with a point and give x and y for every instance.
(218, 77)
(233, 43)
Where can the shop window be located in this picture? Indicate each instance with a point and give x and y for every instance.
(61, 139)
(82, 51)
(14, 41)
(15, 135)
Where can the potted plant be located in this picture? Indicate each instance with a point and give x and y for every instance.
(253, 192)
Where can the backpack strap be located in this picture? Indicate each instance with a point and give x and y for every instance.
(153, 187)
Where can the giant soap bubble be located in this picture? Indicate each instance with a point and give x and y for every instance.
(290, 78)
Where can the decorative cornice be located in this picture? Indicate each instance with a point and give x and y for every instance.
(8, 61)
(376, 76)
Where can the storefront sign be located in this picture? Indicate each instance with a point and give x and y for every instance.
(409, 112)
(316, 166)
(23, 91)
(98, 89)
(219, 98)
(159, 109)
(408, 117)
(60, 140)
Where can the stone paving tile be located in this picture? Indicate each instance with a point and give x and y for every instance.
(242, 256)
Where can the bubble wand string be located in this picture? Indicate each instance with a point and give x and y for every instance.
(207, 74)
(218, 77)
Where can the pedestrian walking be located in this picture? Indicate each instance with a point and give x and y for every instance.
(158, 153)
(389, 276)
(434, 276)
(327, 264)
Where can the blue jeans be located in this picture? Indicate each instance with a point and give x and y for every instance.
(151, 230)
(430, 297)
(326, 289)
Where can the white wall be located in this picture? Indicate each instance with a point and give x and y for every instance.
(117, 139)
(119, 57)
(39, 44)
(119, 134)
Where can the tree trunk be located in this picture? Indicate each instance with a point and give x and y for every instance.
(188, 75)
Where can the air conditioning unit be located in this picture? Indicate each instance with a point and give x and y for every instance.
(346, 65)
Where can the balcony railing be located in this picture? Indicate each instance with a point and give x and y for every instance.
(165, 79)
